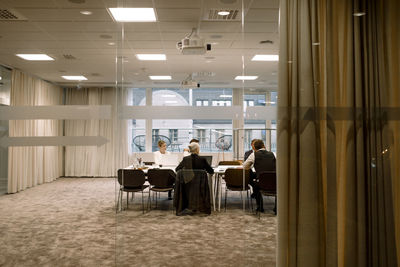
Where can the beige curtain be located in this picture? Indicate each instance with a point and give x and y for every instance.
(30, 166)
(338, 133)
(89, 160)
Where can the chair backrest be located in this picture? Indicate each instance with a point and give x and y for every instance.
(234, 177)
(229, 162)
(267, 182)
(131, 178)
(161, 177)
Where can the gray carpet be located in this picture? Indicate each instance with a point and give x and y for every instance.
(72, 222)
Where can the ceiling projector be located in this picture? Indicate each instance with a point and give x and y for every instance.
(193, 44)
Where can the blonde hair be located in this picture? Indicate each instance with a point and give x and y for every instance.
(160, 143)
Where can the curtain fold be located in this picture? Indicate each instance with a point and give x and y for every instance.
(338, 148)
(92, 161)
(31, 166)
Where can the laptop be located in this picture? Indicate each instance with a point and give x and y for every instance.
(169, 160)
(209, 159)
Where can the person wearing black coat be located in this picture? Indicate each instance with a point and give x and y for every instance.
(194, 161)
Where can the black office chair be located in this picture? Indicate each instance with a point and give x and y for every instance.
(234, 182)
(192, 191)
(130, 181)
(161, 180)
(267, 185)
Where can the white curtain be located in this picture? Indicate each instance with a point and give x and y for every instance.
(30, 166)
(93, 161)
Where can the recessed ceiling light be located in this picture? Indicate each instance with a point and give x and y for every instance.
(111, 43)
(246, 77)
(151, 56)
(75, 78)
(223, 13)
(358, 14)
(133, 14)
(1, 78)
(38, 57)
(86, 12)
(165, 77)
(265, 58)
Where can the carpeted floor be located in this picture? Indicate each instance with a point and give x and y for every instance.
(72, 222)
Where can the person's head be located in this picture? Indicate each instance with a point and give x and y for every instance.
(162, 146)
(258, 144)
(252, 143)
(194, 140)
(194, 148)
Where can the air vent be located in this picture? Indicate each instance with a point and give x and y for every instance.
(212, 15)
(10, 15)
(69, 57)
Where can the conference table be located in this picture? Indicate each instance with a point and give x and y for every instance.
(215, 180)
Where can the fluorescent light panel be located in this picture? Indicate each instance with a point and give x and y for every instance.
(225, 96)
(265, 58)
(151, 56)
(159, 77)
(75, 78)
(36, 57)
(223, 12)
(133, 14)
(246, 77)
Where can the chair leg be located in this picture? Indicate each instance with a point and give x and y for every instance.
(122, 195)
(142, 202)
(119, 192)
(251, 202)
(133, 195)
(248, 201)
(226, 193)
(127, 200)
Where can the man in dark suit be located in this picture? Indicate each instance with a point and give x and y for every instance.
(248, 153)
(194, 161)
(262, 160)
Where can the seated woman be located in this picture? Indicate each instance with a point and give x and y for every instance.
(194, 161)
(158, 155)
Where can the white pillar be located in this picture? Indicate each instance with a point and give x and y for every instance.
(238, 124)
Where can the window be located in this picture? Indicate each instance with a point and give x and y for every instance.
(222, 103)
(248, 103)
(173, 135)
(201, 135)
(201, 103)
